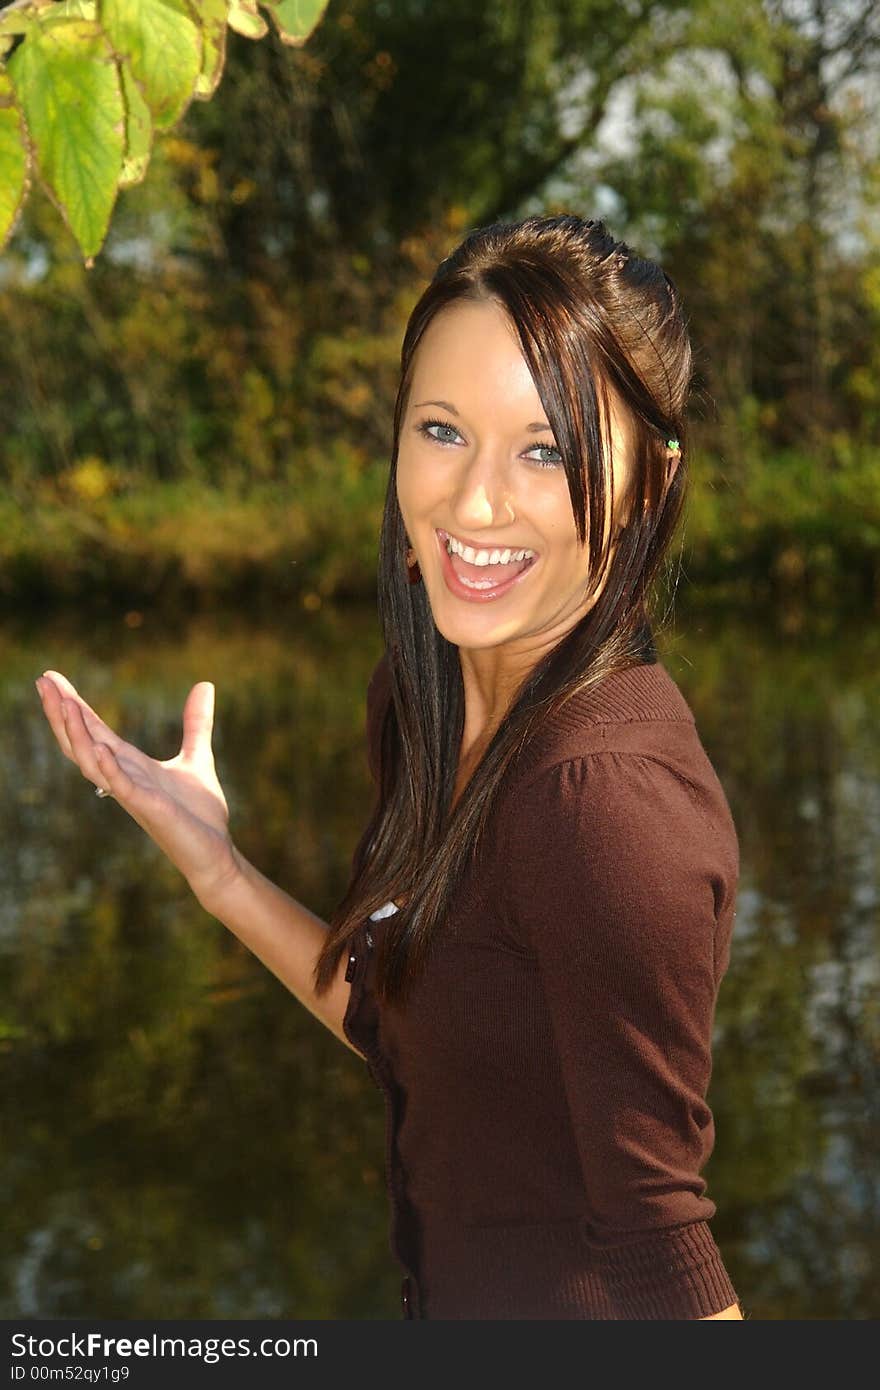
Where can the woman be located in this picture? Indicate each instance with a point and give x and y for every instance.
(540, 910)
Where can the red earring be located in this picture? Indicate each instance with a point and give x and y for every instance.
(414, 574)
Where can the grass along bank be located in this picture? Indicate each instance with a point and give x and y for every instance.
(787, 528)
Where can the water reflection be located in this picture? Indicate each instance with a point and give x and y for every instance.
(184, 1140)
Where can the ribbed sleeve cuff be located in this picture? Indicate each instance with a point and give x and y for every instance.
(672, 1274)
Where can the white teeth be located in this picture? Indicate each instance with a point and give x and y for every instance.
(485, 557)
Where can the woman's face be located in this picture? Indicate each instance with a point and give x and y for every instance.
(487, 474)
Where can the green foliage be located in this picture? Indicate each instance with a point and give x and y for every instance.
(750, 169)
(245, 19)
(68, 88)
(241, 331)
(787, 526)
(138, 131)
(88, 83)
(13, 164)
(96, 531)
(212, 16)
(162, 47)
(295, 19)
(789, 531)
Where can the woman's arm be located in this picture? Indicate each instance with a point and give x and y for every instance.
(284, 935)
(181, 806)
(614, 875)
(731, 1312)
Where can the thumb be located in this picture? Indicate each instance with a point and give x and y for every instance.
(198, 720)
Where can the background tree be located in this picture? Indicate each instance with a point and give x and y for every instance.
(241, 330)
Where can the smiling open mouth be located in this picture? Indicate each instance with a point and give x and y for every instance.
(485, 573)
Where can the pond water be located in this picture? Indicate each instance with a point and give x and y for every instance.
(183, 1140)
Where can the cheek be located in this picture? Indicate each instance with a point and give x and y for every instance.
(412, 483)
(403, 485)
(569, 559)
(422, 487)
(552, 515)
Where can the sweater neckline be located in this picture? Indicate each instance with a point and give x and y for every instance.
(642, 693)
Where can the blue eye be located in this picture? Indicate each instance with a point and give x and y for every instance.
(426, 428)
(427, 425)
(549, 449)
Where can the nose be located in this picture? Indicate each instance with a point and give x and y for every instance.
(483, 493)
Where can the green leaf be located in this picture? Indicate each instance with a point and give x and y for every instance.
(245, 19)
(43, 12)
(22, 21)
(138, 130)
(71, 9)
(212, 18)
(164, 47)
(295, 19)
(13, 160)
(69, 89)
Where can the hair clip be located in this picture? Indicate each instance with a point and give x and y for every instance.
(673, 447)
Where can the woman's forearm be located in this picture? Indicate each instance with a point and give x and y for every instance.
(284, 935)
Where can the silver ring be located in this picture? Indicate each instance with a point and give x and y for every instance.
(99, 791)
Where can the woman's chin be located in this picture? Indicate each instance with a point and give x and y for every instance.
(476, 626)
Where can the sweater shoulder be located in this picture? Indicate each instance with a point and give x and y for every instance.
(621, 776)
(640, 710)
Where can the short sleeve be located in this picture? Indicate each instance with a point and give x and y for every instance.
(617, 866)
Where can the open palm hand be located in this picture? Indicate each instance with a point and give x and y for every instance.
(179, 803)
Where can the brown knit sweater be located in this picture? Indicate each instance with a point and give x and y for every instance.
(545, 1087)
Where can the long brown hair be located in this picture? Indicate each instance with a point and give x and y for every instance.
(590, 314)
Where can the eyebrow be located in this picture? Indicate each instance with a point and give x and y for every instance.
(534, 427)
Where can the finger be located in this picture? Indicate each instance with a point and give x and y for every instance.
(148, 808)
(52, 701)
(93, 722)
(140, 802)
(198, 720)
(81, 742)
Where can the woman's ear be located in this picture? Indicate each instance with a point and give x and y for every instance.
(618, 443)
(673, 458)
(622, 514)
